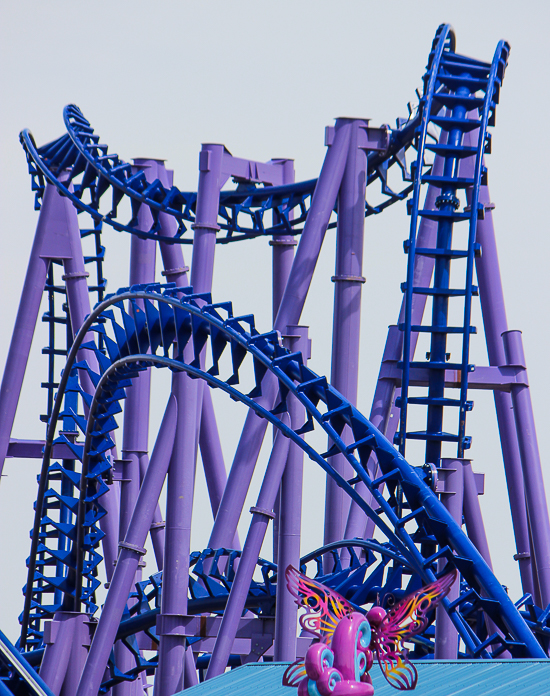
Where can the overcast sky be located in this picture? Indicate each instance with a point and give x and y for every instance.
(265, 78)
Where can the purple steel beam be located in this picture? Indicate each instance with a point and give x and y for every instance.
(494, 320)
(58, 651)
(50, 242)
(282, 247)
(384, 395)
(216, 164)
(175, 271)
(290, 514)
(446, 635)
(157, 527)
(136, 407)
(67, 640)
(131, 551)
(262, 513)
(78, 299)
(495, 324)
(179, 510)
(348, 280)
(169, 676)
(282, 256)
(532, 470)
(473, 518)
(135, 439)
(292, 303)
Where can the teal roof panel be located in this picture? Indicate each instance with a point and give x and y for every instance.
(435, 678)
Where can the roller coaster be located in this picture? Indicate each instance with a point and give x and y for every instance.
(391, 524)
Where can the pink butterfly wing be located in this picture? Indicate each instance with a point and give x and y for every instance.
(294, 673)
(324, 607)
(397, 670)
(405, 620)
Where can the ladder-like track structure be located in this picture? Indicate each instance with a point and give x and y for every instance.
(467, 92)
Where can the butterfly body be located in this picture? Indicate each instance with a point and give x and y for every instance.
(348, 640)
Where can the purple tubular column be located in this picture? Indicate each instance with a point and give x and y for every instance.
(495, 324)
(348, 280)
(67, 641)
(79, 307)
(494, 321)
(136, 407)
(290, 516)
(181, 477)
(292, 303)
(385, 388)
(261, 514)
(211, 452)
(135, 439)
(46, 245)
(282, 249)
(131, 550)
(473, 518)
(175, 271)
(281, 262)
(530, 459)
(56, 656)
(446, 635)
(179, 510)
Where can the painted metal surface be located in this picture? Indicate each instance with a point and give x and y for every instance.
(442, 678)
(94, 507)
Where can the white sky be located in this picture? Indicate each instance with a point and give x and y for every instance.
(265, 78)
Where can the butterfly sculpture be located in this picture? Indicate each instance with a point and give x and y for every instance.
(339, 664)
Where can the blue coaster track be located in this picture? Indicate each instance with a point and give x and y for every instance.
(459, 99)
(175, 314)
(466, 92)
(89, 171)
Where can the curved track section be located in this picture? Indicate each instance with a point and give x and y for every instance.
(174, 318)
(82, 168)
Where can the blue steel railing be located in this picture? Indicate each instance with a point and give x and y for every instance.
(82, 169)
(460, 97)
(173, 314)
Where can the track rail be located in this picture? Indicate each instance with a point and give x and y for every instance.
(460, 96)
(175, 317)
(82, 169)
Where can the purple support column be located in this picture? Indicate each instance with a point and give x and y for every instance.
(47, 245)
(289, 313)
(58, 649)
(446, 635)
(348, 280)
(179, 509)
(157, 527)
(211, 452)
(495, 324)
(281, 262)
(131, 551)
(261, 514)
(290, 512)
(384, 395)
(78, 299)
(175, 271)
(282, 248)
(472, 513)
(135, 439)
(67, 640)
(530, 460)
(79, 654)
(136, 406)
